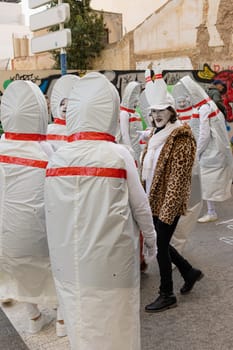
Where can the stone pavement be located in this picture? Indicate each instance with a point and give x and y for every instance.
(203, 319)
(44, 340)
(9, 337)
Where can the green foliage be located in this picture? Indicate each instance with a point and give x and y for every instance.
(88, 35)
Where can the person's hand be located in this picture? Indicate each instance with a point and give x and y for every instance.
(140, 134)
(149, 249)
(144, 134)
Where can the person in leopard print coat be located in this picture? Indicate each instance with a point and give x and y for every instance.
(170, 188)
(166, 172)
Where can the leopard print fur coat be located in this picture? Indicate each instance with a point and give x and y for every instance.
(170, 188)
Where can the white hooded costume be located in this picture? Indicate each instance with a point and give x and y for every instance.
(56, 132)
(25, 273)
(95, 207)
(213, 145)
(187, 222)
(130, 121)
(183, 103)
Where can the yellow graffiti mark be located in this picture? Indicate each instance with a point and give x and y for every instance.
(206, 73)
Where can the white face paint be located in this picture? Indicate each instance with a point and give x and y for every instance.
(161, 117)
(63, 107)
(183, 102)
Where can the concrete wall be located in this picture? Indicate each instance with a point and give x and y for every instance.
(36, 62)
(182, 35)
(113, 22)
(170, 28)
(115, 56)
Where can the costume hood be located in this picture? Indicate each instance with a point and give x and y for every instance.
(131, 95)
(61, 90)
(24, 109)
(180, 93)
(94, 105)
(195, 91)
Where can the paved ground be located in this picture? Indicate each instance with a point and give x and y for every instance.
(9, 337)
(203, 319)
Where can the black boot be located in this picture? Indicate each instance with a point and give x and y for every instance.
(162, 303)
(192, 277)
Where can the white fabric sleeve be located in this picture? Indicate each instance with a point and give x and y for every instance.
(137, 197)
(204, 133)
(144, 135)
(124, 127)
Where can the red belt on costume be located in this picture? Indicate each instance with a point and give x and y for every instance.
(211, 115)
(131, 111)
(56, 137)
(88, 171)
(35, 163)
(184, 117)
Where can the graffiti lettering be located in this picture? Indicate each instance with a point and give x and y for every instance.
(30, 77)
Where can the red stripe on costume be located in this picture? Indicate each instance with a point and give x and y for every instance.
(184, 110)
(91, 135)
(135, 119)
(158, 76)
(23, 161)
(148, 79)
(199, 104)
(56, 137)
(87, 171)
(184, 117)
(127, 109)
(211, 115)
(24, 137)
(59, 121)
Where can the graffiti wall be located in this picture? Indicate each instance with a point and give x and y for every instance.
(120, 78)
(43, 78)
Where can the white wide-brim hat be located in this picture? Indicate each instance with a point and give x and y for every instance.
(168, 101)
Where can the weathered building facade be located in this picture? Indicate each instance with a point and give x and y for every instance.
(180, 35)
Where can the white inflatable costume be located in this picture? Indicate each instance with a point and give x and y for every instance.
(95, 207)
(25, 273)
(56, 132)
(130, 121)
(187, 222)
(183, 103)
(213, 145)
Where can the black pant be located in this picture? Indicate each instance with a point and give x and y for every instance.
(168, 255)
